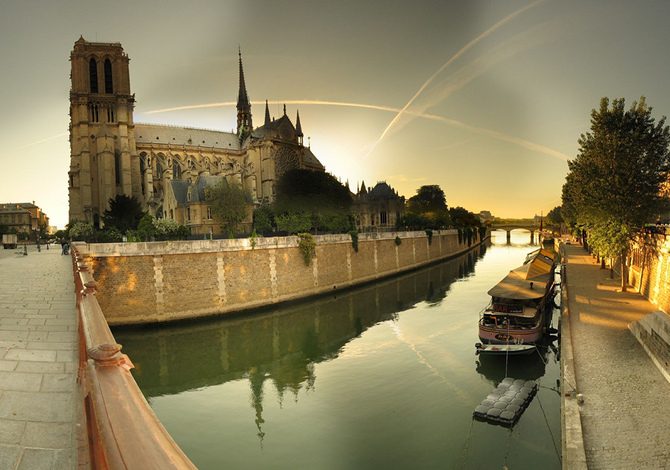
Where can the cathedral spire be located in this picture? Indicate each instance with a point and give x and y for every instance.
(267, 114)
(244, 125)
(298, 128)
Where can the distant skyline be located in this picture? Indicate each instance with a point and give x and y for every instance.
(485, 99)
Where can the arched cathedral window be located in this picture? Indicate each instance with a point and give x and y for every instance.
(108, 77)
(176, 170)
(93, 74)
(117, 166)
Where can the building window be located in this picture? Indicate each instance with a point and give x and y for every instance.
(172, 214)
(209, 213)
(117, 166)
(176, 170)
(188, 213)
(382, 218)
(108, 77)
(93, 74)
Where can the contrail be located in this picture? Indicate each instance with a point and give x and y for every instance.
(458, 54)
(423, 360)
(46, 139)
(306, 102)
(433, 117)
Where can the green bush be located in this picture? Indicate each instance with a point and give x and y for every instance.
(354, 240)
(398, 240)
(80, 231)
(429, 233)
(307, 246)
(145, 229)
(252, 239)
(294, 222)
(167, 229)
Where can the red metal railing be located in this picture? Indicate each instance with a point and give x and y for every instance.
(122, 431)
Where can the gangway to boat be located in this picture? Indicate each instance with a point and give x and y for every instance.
(507, 402)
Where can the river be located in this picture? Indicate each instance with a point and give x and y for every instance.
(382, 376)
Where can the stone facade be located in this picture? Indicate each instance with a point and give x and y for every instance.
(22, 217)
(378, 208)
(164, 281)
(113, 155)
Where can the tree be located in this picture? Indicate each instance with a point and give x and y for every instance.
(429, 203)
(461, 217)
(124, 213)
(554, 217)
(230, 204)
(317, 194)
(264, 219)
(618, 177)
(145, 229)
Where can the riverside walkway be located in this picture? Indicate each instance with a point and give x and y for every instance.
(625, 416)
(38, 360)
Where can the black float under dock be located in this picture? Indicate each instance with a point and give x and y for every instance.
(507, 402)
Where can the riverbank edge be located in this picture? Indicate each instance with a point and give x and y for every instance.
(572, 438)
(112, 250)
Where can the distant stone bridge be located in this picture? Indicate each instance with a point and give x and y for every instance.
(508, 226)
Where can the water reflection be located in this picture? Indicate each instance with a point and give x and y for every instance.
(281, 346)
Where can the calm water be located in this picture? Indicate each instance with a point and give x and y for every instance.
(384, 376)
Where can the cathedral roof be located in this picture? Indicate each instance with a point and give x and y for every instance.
(182, 188)
(281, 128)
(179, 189)
(310, 160)
(381, 191)
(203, 181)
(158, 134)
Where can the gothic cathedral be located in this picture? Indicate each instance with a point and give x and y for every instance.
(164, 167)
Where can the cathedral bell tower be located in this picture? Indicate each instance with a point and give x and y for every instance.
(244, 126)
(103, 159)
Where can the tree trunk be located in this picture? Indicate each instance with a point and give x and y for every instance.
(602, 263)
(624, 273)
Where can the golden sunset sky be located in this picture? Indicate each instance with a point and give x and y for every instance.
(486, 99)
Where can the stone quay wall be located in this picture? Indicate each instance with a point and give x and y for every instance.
(175, 280)
(649, 272)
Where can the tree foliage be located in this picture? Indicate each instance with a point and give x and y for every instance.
(462, 217)
(124, 213)
(306, 190)
(312, 200)
(616, 182)
(427, 208)
(230, 204)
(264, 222)
(554, 216)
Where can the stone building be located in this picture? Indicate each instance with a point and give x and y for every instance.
(23, 217)
(378, 208)
(185, 202)
(112, 155)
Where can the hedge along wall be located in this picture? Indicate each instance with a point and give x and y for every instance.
(164, 281)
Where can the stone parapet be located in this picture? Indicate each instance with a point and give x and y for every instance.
(653, 333)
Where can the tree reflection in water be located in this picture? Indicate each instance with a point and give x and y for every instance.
(281, 345)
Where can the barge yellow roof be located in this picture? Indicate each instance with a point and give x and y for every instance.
(528, 281)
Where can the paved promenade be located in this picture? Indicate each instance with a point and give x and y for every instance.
(625, 416)
(38, 360)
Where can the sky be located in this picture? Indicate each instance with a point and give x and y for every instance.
(485, 98)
